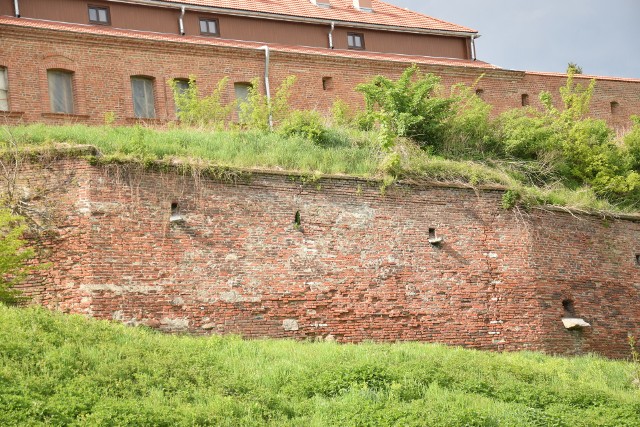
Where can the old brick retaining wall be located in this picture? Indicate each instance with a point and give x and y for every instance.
(358, 267)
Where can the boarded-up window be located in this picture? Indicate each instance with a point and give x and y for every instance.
(4, 90)
(143, 97)
(181, 86)
(60, 91)
(241, 90)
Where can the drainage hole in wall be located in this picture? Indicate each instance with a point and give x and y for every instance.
(569, 310)
(638, 259)
(432, 233)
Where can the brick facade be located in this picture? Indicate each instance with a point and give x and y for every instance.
(359, 266)
(103, 65)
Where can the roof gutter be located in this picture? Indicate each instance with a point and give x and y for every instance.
(293, 18)
(16, 7)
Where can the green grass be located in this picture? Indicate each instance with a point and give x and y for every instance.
(349, 152)
(66, 370)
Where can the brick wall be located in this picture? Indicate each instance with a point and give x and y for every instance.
(103, 66)
(358, 267)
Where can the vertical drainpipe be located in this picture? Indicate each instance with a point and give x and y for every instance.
(473, 47)
(182, 10)
(16, 6)
(266, 82)
(333, 27)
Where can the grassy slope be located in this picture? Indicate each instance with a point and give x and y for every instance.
(66, 370)
(352, 153)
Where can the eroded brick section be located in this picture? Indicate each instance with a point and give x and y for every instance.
(358, 267)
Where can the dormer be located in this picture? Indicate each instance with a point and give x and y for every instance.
(321, 3)
(363, 5)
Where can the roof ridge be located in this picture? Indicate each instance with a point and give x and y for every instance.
(426, 16)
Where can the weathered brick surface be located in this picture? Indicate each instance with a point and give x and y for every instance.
(103, 66)
(360, 266)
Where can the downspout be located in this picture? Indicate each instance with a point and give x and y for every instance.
(182, 10)
(473, 47)
(266, 82)
(16, 6)
(333, 27)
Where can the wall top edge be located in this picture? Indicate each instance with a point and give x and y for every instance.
(84, 152)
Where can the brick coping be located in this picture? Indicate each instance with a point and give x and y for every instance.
(86, 150)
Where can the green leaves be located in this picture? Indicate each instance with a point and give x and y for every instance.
(202, 111)
(14, 256)
(407, 107)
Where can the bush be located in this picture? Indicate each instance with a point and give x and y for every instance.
(257, 110)
(341, 114)
(469, 131)
(408, 106)
(196, 110)
(14, 256)
(307, 124)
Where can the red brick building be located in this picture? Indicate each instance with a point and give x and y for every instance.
(79, 60)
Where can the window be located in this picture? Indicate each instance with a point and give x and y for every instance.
(60, 91)
(355, 40)
(209, 27)
(99, 15)
(143, 97)
(4, 90)
(615, 107)
(242, 91)
(525, 99)
(327, 83)
(181, 86)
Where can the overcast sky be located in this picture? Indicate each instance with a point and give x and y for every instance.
(602, 36)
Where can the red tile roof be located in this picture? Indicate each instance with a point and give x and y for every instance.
(209, 41)
(340, 10)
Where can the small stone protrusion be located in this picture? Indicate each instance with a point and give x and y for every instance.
(574, 323)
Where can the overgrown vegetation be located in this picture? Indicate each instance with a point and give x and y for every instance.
(66, 370)
(409, 129)
(14, 256)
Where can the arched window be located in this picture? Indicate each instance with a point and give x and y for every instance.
(143, 97)
(61, 91)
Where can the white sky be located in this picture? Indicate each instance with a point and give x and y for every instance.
(602, 36)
